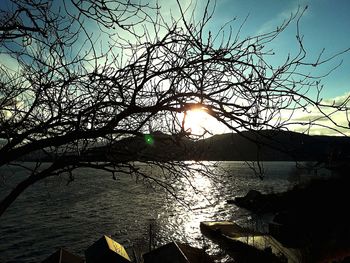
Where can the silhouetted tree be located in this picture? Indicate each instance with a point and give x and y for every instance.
(87, 73)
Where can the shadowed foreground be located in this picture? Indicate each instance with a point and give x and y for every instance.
(312, 218)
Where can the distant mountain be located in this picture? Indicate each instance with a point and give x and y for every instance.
(156, 146)
(270, 145)
(267, 145)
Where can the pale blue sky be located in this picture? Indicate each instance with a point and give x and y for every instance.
(325, 24)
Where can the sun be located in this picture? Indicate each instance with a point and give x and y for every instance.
(197, 121)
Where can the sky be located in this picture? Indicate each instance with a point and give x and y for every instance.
(325, 25)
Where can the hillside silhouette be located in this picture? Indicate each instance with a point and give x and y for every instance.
(266, 145)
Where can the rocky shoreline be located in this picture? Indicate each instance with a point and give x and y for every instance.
(312, 218)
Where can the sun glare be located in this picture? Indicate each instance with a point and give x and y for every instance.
(198, 121)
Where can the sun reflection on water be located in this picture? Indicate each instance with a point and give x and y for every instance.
(202, 195)
(202, 202)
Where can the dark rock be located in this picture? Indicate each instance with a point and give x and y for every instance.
(250, 200)
(312, 217)
(260, 203)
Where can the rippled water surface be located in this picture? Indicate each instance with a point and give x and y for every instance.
(52, 214)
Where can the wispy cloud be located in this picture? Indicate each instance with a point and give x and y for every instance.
(285, 15)
(332, 118)
(8, 62)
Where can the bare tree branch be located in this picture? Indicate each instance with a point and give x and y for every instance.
(92, 73)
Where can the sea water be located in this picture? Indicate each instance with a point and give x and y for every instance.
(52, 214)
